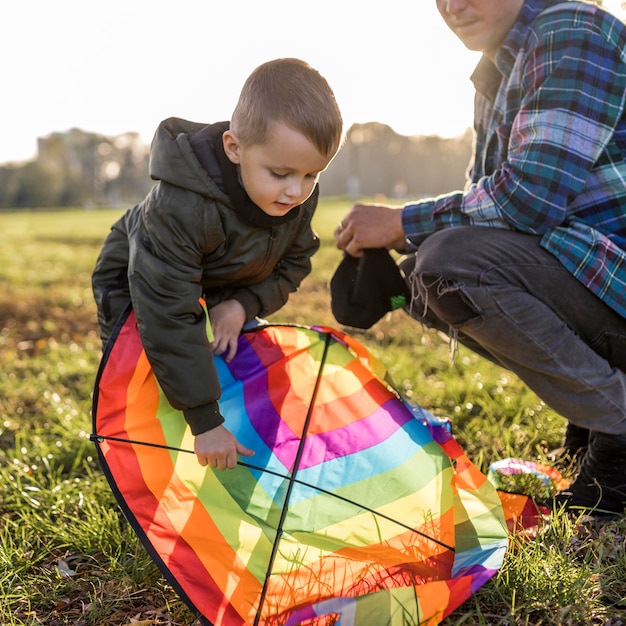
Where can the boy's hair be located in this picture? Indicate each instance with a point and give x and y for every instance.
(289, 91)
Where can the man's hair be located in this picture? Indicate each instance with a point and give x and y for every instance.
(291, 92)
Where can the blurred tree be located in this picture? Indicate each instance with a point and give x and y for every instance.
(375, 161)
(76, 168)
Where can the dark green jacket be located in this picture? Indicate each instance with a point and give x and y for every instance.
(185, 241)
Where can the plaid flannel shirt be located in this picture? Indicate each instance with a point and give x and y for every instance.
(550, 153)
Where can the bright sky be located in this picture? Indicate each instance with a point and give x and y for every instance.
(124, 65)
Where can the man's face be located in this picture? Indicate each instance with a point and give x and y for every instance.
(481, 25)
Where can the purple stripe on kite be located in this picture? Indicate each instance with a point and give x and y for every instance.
(253, 375)
(281, 441)
(247, 360)
(480, 575)
(301, 615)
(356, 436)
(267, 422)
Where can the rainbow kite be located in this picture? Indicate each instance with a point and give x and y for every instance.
(356, 509)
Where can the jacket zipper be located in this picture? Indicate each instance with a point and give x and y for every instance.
(270, 246)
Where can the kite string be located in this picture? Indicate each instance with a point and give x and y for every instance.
(100, 438)
(96, 438)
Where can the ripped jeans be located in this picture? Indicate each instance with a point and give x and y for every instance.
(508, 299)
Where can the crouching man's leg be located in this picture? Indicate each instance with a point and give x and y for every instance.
(500, 291)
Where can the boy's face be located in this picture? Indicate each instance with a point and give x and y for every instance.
(481, 25)
(280, 173)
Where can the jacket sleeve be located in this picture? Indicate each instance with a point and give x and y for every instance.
(167, 242)
(270, 295)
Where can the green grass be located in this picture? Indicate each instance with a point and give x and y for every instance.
(67, 556)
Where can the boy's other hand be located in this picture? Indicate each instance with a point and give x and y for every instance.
(227, 320)
(218, 448)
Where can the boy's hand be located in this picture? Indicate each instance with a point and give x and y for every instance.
(218, 448)
(227, 320)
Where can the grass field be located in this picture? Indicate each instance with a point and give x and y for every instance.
(67, 556)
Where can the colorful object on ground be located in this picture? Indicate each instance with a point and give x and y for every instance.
(546, 474)
(520, 498)
(356, 509)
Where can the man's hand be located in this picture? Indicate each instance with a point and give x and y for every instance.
(218, 448)
(227, 320)
(371, 226)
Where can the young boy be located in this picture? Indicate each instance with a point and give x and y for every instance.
(227, 223)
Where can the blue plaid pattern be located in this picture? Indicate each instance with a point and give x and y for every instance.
(550, 154)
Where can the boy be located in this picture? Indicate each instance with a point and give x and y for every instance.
(228, 222)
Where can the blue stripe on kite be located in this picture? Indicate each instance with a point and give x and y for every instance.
(388, 455)
(238, 422)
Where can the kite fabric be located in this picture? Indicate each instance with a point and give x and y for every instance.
(357, 508)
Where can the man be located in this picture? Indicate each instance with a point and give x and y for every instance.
(527, 265)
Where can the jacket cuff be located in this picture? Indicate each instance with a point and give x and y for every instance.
(249, 302)
(203, 418)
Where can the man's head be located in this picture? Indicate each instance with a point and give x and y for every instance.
(481, 25)
(285, 130)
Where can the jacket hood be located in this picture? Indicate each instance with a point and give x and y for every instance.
(172, 159)
(186, 154)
